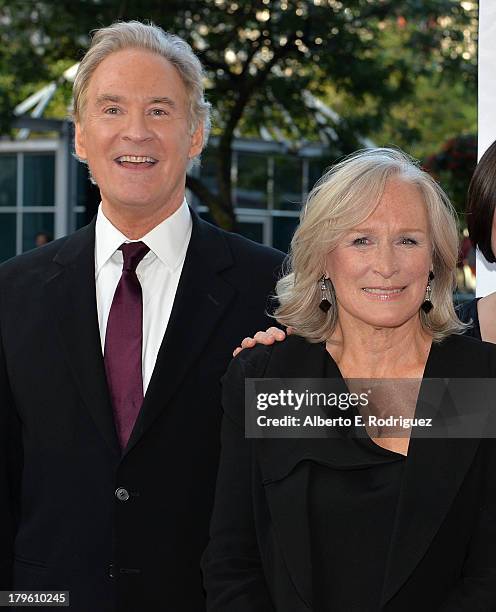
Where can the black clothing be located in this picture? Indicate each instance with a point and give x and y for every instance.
(63, 521)
(261, 556)
(468, 312)
(352, 507)
(352, 510)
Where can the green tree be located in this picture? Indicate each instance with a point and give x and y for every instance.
(269, 62)
(453, 166)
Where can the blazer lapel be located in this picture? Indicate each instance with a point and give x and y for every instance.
(434, 472)
(201, 300)
(292, 527)
(71, 295)
(286, 471)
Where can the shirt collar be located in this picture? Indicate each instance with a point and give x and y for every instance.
(168, 240)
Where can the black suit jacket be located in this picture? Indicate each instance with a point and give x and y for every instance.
(443, 548)
(61, 524)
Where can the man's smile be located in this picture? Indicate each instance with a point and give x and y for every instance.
(136, 162)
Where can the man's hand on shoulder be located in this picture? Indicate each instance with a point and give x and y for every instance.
(269, 336)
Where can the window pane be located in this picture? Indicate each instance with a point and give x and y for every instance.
(316, 169)
(283, 230)
(33, 224)
(81, 220)
(8, 180)
(82, 180)
(251, 189)
(7, 235)
(208, 169)
(207, 217)
(253, 231)
(287, 183)
(39, 179)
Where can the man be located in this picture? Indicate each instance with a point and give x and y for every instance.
(113, 342)
(42, 238)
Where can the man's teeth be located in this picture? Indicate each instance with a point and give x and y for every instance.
(135, 159)
(382, 291)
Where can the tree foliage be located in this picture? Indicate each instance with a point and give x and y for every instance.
(269, 62)
(453, 166)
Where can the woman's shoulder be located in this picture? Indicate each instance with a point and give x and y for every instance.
(293, 357)
(254, 362)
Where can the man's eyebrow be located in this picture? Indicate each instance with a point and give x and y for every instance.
(163, 100)
(108, 98)
(155, 100)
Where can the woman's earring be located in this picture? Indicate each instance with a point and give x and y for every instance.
(325, 304)
(427, 305)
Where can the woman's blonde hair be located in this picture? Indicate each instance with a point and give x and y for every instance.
(343, 198)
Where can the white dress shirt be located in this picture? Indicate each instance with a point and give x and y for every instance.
(158, 273)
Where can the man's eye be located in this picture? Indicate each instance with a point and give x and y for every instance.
(158, 112)
(113, 110)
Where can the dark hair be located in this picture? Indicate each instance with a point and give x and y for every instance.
(481, 203)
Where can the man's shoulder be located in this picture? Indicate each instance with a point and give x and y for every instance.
(44, 258)
(243, 250)
(31, 260)
(246, 248)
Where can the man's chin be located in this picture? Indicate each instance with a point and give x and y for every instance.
(135, 200)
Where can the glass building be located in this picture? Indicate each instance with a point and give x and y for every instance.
(44, 189)
(269, 186)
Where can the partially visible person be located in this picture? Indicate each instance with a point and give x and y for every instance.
(466, 264)
(481, 205)
(396, 524)
(42, 238)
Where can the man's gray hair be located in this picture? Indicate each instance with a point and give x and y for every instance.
(149, 37)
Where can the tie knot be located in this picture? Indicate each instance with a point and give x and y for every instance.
(133, 253)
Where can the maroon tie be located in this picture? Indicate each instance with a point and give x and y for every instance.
(123, 344)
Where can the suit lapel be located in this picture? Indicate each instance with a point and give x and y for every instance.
(201, 300)
(434, 472)
(71, 295)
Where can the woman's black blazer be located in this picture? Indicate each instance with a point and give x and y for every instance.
(443, 549)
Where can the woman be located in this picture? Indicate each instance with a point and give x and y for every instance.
(349, 524)
(481, 225)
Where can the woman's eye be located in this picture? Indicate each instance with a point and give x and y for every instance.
(360, 241)
(408, 241)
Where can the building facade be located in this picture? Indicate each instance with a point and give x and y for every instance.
(43, 188)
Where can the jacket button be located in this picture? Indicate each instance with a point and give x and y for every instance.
(111, 571)
(122, 494)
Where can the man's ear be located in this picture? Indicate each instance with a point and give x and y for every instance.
(196, 145)
(79, 141)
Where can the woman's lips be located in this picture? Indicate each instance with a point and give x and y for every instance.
(383, 294)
